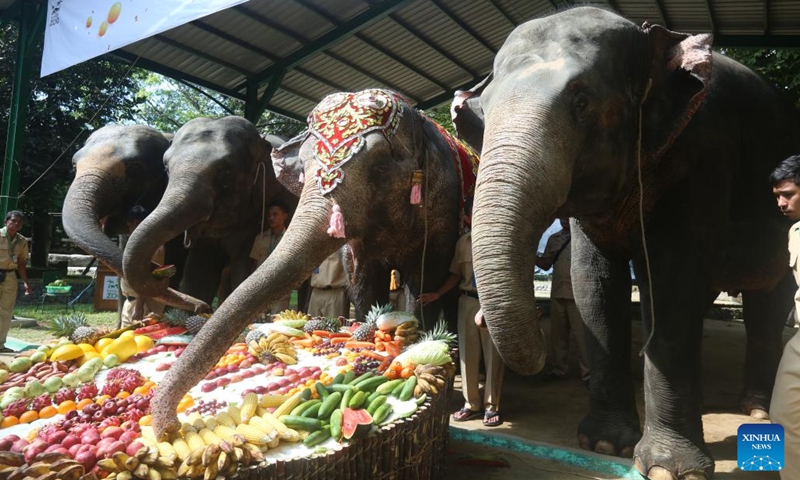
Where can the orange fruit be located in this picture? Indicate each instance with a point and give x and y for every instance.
(9, 421)
(141, 390)
(146, 420)
(83, 403)
(123, 394)
(102, 343)
(101, 399)
(29, 416)
(66, 406)
(48, 411)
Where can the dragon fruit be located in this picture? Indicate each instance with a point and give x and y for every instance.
(16, 408)
(112, 388)
(64, 394)
(41, 401)
(120, 379)
(88, 390)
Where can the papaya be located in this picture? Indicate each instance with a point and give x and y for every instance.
(122, 347)
(66, 352)
(356, 423)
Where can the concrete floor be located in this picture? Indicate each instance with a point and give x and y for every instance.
(544, 413)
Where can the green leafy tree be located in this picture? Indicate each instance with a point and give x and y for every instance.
(64, 108)
(781, 66)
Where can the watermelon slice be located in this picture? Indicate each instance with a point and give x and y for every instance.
(158, 334)
(356, 423)
(151, 328)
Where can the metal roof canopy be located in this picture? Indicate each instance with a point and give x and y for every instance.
(286, 55)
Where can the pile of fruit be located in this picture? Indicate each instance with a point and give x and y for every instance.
(79, 408)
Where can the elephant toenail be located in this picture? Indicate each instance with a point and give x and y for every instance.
(626, 452)
(639, 466)
(695, 476)
(583, 442)
(660, 473)
(605, 447)
(759, 414)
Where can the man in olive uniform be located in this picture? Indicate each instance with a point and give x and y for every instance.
(13, 255)
(328, 289)
(266, 242)
(785, 405)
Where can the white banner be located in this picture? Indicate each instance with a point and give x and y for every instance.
(77, 30)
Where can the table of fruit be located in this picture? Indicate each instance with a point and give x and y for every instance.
(294, 389)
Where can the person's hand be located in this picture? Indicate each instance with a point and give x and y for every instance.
(479, 321)
(427, 298)
(28, 289)
(138, 311)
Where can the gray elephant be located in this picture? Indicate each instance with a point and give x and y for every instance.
(362, 159)
(658, 158)
(119, 166)
(219, 182)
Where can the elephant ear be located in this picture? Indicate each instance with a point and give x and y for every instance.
(680, 70)
(467, 114)
(288, 166)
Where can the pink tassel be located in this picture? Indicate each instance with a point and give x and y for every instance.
(416, 194)
(301, 178)
(336, 228)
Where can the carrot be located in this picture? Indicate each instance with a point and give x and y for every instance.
(380, 346)
(372, 354)
(393, 349)
(356, 344)
(322, 333)
(238, 347)
(339, 340)
(340, 335)
(385, 364)
(305, 342)
(317, 340)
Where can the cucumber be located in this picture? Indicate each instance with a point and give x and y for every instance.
(349, 377)
(363, 378)
(408, 388)
(330, 404)
(339, 378)
(305, 394)
(336, 424)
(382, 413)
(357, 400)
(372, 397)
(376, 404)
(346, 398)
(342, 388)
(387, 387)
(317, 437)
(421, 399)
(371, 384)
(301, 423)
(313, 411)
(298, 410)
(322, 391)
(398, 388)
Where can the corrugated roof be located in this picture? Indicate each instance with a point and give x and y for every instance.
(297, 51)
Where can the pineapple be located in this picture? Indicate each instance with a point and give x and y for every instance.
(254, 336)
(441, 333)
(175, 317)
(76, 328)
(329, 324)
(366, 331)
(196, 322)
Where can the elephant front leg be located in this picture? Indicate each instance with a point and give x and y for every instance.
(602, 287)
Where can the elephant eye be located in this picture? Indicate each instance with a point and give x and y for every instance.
(580, 106)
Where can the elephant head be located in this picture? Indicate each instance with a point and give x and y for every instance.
(215, 168)
(357, 162)
(577, 100)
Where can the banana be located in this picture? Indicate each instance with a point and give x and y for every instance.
(195, 458)
(263, 344)
(210, 455)
(223, 462)
(126, 475)
(73, 472)
(183, 469)
(430, 378)
(48, 457)
(6, 473)
(59, 465)
(418, 390)
(132, 463)
(141, 471)
(275, 336)
(11, 459)
(49, 476)
(196, 471)
(210, 472)
(150, 455)
(255, 452)
(153, 474)
(288, 360)
(36, 469)
(167, 474)
(108, 465)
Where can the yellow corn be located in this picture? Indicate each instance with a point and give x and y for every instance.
(274, 442)
(211, 423)
(264, 425)
(273, 401)
(209, 437)
(252, 434)
(194, 440)
(249, 406)
(148, 433)
(224, 418)
(261, 411)
(224, 432)
(277, 424)
(288, 405)
(181, 449)
(165, 449)
(235, 413)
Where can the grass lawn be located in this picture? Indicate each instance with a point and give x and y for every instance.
(40, 334)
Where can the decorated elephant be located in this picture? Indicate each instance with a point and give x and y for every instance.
(658, 158)
(219, 184)
(379, 177)
(119, 166)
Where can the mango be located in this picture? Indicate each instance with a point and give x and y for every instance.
(20, 364)
(123, 347)
(66, 352)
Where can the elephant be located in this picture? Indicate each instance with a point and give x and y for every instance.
(657, 158)
(119, 166)
(219, 183)
(363, 157)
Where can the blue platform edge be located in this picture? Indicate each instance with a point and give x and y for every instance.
(19, 345)
(576, 458)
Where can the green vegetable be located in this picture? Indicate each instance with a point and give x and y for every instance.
(432, 352)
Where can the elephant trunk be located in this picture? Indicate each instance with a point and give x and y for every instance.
(178, 211)
(304, 246)
(517, 194)
(89, 198)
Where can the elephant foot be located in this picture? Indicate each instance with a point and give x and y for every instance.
(677, 459)
(755, 404)
(609, 437)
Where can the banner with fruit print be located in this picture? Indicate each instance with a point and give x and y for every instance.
(77, 30)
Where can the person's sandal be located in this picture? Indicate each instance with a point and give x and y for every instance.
(466, 414)
(492, 418)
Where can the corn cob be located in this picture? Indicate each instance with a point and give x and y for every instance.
(194, 440)
(211, 423)
(252, 434)
(264, 425)
(235, 413)
(181, 448)
(288, 405)
(148, 433)
(209, 437)
(249, 406)
(224, 418)
(224, 432)
(273, 401)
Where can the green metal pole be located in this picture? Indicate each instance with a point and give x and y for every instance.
(31, 26)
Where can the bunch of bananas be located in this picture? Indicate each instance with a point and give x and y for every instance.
(432, 378)
(45, 466)
(276, 346)
(291, 315)
(407, 332)
(148, 463)
(222, 458)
